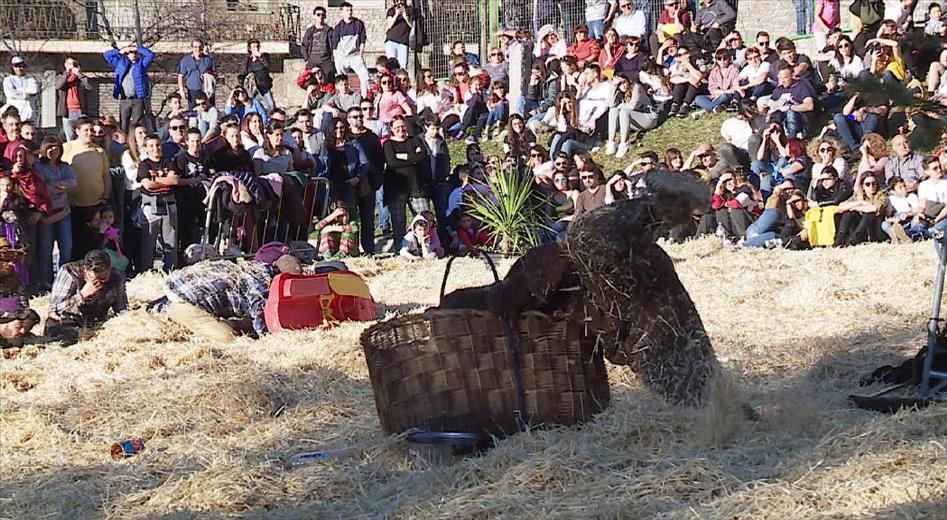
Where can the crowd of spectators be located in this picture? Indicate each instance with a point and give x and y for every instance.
(135, 188)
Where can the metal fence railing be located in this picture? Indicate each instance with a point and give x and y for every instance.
(214, 20)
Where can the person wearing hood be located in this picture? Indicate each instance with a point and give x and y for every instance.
(416, 244)
(548, 44)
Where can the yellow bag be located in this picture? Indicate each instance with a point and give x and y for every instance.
(820, 226)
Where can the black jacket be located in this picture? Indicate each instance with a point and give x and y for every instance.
(436, 168)
(85, 95)
(317, 45)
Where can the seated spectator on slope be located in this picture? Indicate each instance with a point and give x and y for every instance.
(828, 189)
(903, 222)
(723, 84)
(585, 50)
(84, 295)
(593, 196)
(792, 103)
(632, 110)
(473, 237)
(862, 214)
(732, 205)
(216, 299)
(906, 163)
(337, 233)
(932, 197)
(713, 20)
(416, 244)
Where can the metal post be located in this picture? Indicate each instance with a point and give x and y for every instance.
(941, 246)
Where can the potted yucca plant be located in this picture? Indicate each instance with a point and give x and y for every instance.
(510, 212)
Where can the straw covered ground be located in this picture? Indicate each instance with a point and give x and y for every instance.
(794, 331)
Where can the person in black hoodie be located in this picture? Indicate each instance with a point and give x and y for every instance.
(828, 189)
(435, 172)
(404, 156)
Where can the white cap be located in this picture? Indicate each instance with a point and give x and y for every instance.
(17, 60)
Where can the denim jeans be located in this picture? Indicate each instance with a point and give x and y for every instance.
(766, 223)
(524, 105)
(398, 51)
(792, 121)
(804, 13)
(384, 216)
(709, 103)
(851, 132)
(596, 29)
(759, 240)
(762, 90)
(61, 232)
(499, 114)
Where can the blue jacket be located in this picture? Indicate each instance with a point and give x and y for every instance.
(139, 70)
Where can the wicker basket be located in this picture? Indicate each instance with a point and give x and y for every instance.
(452, 370)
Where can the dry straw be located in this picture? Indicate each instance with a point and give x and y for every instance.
(793, 331)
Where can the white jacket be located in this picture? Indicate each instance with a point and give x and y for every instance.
(21, 92)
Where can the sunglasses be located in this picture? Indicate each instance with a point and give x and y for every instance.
(870, 183)
(181, 127)
(586, 177)
(633, 44)
(561, 163)
(763, 44)
(499, 54)
(826, 149)
(386, 82)
(356, 116)
(320, 15)
(534, 154)
(725, 58)
(460, 73)
(845, 46)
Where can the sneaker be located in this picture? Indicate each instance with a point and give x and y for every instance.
(683, 111)
(773, 243)
(697, 114)
(610, 148)
(622, 150)
(719, 109)
(674, 109)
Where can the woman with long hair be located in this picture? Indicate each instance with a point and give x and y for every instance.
(274, 156)
(518, 141)
(57, 225)
(863, 214)
(612, 51)
(430, 100)
(563, 118)
(231, 156)
(131, 158)
(632, 109)
(251, 132)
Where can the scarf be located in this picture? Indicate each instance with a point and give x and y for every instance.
(33, 189)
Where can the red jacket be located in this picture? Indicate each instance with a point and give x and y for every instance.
(585, 51)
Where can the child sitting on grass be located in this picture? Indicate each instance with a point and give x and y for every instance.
(338, 235)
(471, 235)
(416, 244)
